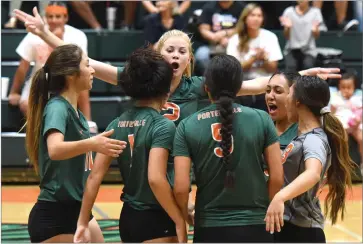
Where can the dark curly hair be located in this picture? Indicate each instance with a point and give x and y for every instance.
(146, 75)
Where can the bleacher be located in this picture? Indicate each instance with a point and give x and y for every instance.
(107, 101)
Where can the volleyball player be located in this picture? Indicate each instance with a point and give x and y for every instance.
(226, 143)
(59, 145)
(149, 212)
(319, 149)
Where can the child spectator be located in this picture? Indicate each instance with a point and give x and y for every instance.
(302, 25)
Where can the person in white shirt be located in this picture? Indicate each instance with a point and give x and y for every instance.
(256, 48)
(34, 49)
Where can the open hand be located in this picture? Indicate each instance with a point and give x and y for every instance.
(323, 73)
(33, 24)
(110, 147)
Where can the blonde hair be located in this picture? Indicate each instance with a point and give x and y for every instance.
(241, 27)
(177, 33)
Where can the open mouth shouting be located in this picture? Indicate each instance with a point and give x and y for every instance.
(272, 108)
(175, 66)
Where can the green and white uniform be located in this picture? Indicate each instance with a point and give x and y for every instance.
(143, 128)
(198, 137)
(63, 180)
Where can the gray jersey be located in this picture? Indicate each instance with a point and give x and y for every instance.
(301, 36)
(305, 210)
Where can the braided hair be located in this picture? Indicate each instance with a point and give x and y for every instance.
(223, 78)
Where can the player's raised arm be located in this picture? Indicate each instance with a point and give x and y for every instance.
(258, 85)
(36, 25)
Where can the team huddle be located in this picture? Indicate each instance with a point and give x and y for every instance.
(254, 182)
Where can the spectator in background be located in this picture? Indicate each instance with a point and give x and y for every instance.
(346, 104)
(216, 25)
(302, 25)
(179, 9)
(16, 4)
(162, 21)
(341, 8)
(34, 49)
(256, 48)
(83, 9)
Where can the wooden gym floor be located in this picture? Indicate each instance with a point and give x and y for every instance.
(17, 201)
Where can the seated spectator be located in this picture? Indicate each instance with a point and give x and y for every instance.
(34, 49)
(157, 24)
(256, 48)
(302, 25)
(346, 104)
(216, 25)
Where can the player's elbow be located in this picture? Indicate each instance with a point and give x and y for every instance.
(53, 153)
(181, 188)
(155, 180)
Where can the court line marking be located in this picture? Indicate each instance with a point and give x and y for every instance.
(100, 212)
(345, 230)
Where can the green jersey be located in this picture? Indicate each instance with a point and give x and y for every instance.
(198, 138)
(143, 128)
(184, 101)
(63, 180)
(288, 135)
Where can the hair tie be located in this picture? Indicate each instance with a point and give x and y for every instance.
(325, 110)
(226, 94)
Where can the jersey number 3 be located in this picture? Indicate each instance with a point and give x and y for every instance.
(174, 116)
(216, 134)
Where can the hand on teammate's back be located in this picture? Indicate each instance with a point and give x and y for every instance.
(110, 147)
(275, 215)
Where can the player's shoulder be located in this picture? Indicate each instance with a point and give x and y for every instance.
(161, 121)
(56, 105)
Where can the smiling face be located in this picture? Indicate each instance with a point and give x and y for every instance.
(275, 97)
(176, 51)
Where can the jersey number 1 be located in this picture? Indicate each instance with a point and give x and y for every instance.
(88, 165)
(216, 134)
(131, 141)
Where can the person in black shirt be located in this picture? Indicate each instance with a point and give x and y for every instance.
(216, 25)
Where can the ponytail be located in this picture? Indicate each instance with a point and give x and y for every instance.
(225, 107)
(339, 172)
(38, 98)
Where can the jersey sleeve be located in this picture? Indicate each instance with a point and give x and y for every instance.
(270, 131)
(55, 117)
(112, 125)
(315, 147)
(180, 147)
(163, 135)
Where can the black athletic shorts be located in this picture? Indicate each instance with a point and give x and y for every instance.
(49, 219)
(142, 225)
(295, 234)
(232, 234)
